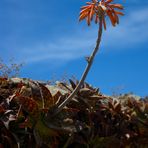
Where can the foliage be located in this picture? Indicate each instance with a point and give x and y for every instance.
(90, 120)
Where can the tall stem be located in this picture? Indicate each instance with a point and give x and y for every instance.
(89, 64)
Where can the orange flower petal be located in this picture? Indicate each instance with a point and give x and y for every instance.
(115, 17)
(109, 13)
(118, 6)
(83, 7)
(120, 13)
(91, 12)
(88, 20)
(86, 9)
(82, 16)
(108, 1)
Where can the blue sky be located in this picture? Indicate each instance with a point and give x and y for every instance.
(47, 37)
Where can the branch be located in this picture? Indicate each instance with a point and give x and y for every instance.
(89, 64)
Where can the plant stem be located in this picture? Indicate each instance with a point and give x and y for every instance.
(89, 64)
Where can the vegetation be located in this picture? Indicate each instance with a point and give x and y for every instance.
(9, 70)
(90, 120)
(75, 115)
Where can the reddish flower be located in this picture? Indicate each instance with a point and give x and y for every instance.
(99, 9)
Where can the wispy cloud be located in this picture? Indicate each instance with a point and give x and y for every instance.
(65, 48)
(130, 33)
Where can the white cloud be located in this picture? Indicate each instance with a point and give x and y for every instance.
(130, 33)
(65, 48)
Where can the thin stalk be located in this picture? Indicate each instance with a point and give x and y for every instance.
(88, 66)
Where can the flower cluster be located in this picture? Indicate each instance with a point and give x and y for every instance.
(100, 9)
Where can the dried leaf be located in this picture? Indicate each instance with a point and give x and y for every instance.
(73, 85)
